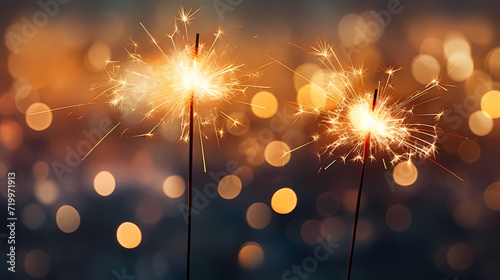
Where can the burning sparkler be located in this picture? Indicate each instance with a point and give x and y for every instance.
(364, 122)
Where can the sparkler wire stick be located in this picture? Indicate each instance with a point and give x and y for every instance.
(358, 201)
(190, 175)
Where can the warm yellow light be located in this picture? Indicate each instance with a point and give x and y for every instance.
(128, 235)
(284, 201)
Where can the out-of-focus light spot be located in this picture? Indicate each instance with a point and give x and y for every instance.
(352, 29)
(229, 187)
(425, 68)
(460, 66)
(460, 256)
(398, 217)
(11, 134)
(479, 30)
(327, 204)
(306, 70)
(335, 228)
(469, 151)
(97, 57)
(25, 97)
(490, 103)
(493, 60)
(251, 255)
(67, 218)
(37, 264)
(39, 121)
(405, 173)
(480, 123)
(492, 196)
(128, 235)
(311, 96)
(149, 210)
(284, 201)
(238, 124)
(46, 191)
(311, 230)
(104, 183)
(365, 229)
(349, 200)
(456, 43)
(258, 215)
(277, 153)
(174, 186)
(33, 216)
(478, 84)
(41, 169)
(264, 104)
(432, 46)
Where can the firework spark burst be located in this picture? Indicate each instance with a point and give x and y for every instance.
(349, 115)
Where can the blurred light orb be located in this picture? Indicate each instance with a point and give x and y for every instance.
(478, 84)
(33, 216)
(128, 235)
(398, 217)
(11, 134)
(352, 29)
(327, 204)
(258, 215)
(405, 173)
(97, 56)
(306, 70)
(41, 169)
(490, 103)
(229, 187)
(460, 66)
(469, 151)
(425, 68)
(174, 186)
(311, 96)
(39, 121)
(277, 153)
(459, 256)
(493, 61)
(432, 46)
(349, 200)
(46, 191)
(492, 196)
(480, 123)
(104, 183)
(37, 264)
(284, 201)
(251, 255)
(67, 218)
(456, 43)
(240, 128)
(264, 104)
(311, 231)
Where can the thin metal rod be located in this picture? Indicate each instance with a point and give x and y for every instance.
(358, 200)
(190, 175)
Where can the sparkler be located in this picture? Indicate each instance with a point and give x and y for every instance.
(365, 123)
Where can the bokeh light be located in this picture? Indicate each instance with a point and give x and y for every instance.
(174, 186)
(490, 103)
(480, 123)
(41, 169)
(425, 68)
(469, 151)
(37, 263)
(104, 183)
(35, 119)
(67, 218)
(251, 255)
(460, 256)
(128, 235)
(277, 153)
(264, 104)
(460, 66)
(11, 134)
(284, 201)
(405, 173)
(229, 187)
(398, 217)
(258, 215)
(46, 191)
(492, 196)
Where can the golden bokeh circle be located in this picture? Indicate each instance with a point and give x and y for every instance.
(128, 235)
(38, 116)
(264, 104)
(284, 201)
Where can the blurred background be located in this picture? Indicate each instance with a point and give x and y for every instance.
(118, 214)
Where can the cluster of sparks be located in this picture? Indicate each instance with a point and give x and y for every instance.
(355, 116)
(183, 76)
